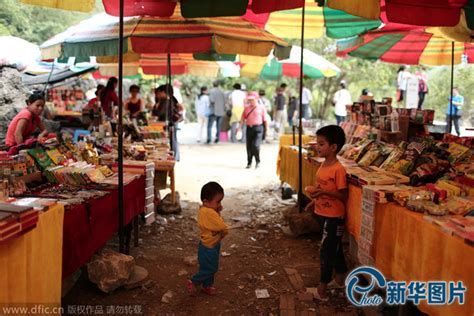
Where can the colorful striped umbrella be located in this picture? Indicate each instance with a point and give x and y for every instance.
(70, 5)
(336, 23)
(157, 64)
(98, 35)
(411, 48)
(198, 8)
(314, 66)
(165, 8)
(414, 12)
(451, 19)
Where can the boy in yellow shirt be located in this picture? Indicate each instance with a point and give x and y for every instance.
(212, 230)
(330, 196)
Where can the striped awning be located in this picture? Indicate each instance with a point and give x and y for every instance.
(98, 35)
(337, 24)
(411, 48)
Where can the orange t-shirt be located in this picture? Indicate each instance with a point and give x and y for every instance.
(331, 179)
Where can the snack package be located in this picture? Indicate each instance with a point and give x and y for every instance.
(457, 151)
(392, 158)
(385, 151)
(41, 158)
(408, 160)
(370, 156)
(428, 169)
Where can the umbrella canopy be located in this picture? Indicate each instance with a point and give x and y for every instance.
(98, 35)
(156, 64)
(198, 8)
(20, 53)
(336, 23)
(414, 12)
(411, 48)
(70, 5)
(270, 68)
(58, 75)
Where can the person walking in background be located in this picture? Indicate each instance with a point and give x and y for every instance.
(254, 117)
(453, 113)
(422, 86)
(341, 98)
(202, 106)
(292, 110)
(307, 97)
(279, 111)
(402, 82)
(216, 111)
(237, 101)
(265, 103)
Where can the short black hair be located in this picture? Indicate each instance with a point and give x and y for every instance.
(283, 85)
(134, 87)
(35, 96)
(237, 86)
(334, 135)
(210, 190)
(167, 88)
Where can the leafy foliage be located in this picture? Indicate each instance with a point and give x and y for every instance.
(36, 24)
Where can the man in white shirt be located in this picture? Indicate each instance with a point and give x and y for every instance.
(341, 98)
(307, 97)
(237, 101)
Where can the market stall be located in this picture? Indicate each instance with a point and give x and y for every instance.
(30, 264)
(409, 204)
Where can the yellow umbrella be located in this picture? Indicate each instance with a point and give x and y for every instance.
(78, 5)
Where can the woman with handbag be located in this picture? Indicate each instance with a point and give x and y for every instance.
(254, 117)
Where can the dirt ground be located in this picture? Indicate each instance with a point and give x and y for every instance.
(257, 250)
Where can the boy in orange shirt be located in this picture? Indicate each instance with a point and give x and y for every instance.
(212, 230)
(330, 195)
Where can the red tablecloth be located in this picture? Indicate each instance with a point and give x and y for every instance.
(88, 227)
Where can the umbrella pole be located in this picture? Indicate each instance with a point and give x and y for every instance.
(300, 125)
(120, 134)
(169, 103)
(450, 123)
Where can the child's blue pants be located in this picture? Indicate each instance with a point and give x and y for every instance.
(208, 265)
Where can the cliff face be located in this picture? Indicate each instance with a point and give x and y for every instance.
(13, 95)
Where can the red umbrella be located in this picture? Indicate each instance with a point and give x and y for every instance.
(199, 8)
(415, 12)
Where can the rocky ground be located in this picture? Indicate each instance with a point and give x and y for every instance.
(259, 254)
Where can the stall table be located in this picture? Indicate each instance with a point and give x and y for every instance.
(405, 246)
(30, 265)
(89, 226)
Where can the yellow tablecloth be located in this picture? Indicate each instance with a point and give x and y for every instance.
(405, 247)
(287, 139)
(30, 265)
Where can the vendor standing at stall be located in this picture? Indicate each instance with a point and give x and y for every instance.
(109, 98)
(134, 104)
(25, 123)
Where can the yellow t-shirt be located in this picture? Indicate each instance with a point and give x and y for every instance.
(331, 179)
(212, 226)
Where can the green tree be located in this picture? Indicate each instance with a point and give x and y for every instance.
(37, 24)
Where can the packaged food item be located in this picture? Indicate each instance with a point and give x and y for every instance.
(392, 158)
(370, 156)
(385, 151)
(408, 160)
(41, 158)
(457, 151)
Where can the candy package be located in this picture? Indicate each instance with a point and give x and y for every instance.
(372, 153)
(408, 160)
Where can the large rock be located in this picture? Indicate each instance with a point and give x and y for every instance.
(13, 95)
(110, 270)
(166, 206)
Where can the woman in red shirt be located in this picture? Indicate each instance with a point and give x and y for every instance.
(25, 123)
(108, 97)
